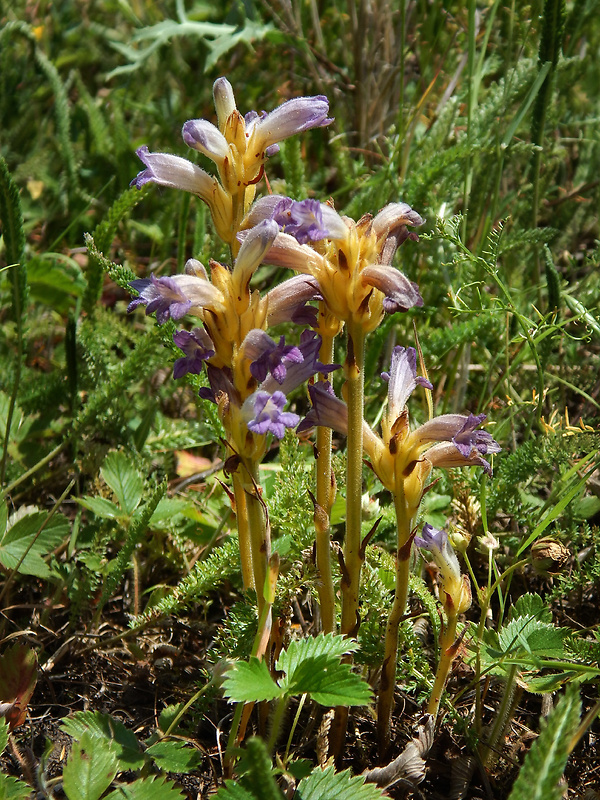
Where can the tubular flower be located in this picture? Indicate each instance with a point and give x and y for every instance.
(401, 457)
(238, 146)
(455, 589)
(226, 305)
(250, 409)
(352, 261)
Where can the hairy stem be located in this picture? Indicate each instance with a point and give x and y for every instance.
(355, 377)
(241, 513)
(325, 498)
(447, 653)
(392, 633)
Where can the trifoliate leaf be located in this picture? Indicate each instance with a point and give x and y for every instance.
(250, 681)
(125, 481)
(326, 784)
(545, 762)
(90, 768)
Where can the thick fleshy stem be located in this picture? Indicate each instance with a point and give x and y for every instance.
(355, 386)
(355, 380)
(259, 533)
(241, 513)
(387, 683)
(448, 648)
(325, 498)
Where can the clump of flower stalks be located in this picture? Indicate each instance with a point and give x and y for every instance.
(342, 282)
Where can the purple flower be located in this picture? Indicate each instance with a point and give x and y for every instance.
(274, 358)
(400, 293)
(327, 410)
(455, 588)
(265, 414)
(460, 444)
(287, 301)
(299, 371)
(197, 346)
(175, 172)
(402, 380)
(294, 116)
(160, 295)
(303, 220)
(172, 297)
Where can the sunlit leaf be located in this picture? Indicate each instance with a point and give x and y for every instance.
(90, 768)
(250, 681)
(125, 481)
(327, 784)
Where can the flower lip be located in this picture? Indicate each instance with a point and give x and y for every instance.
(197, 346)
(265, 414)
(401, 294)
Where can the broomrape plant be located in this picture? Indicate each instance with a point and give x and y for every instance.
(346, 267)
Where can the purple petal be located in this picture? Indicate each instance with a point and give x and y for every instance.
(327, 410)
(206, 138)
(300, 371)
(287, 301)
(267, 415)
(197, 346)
(402, 379)
(267, 357)
(175, 172)
(400, 293)
(437, 543)
(294, 116)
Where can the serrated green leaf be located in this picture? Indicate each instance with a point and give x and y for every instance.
(90, 768)
(528, 635)
(542, 684)
(101, 507)
(3, 734)
(174, 756)
(250, 681)
(300, 768)
(13, 789)
(147, 789)
(233, 791)
(545, 762)
(21, 537)
(125, 481)
(327, 784)
(531, 605)
(324, 644)
(328, 682)
(125, 744)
